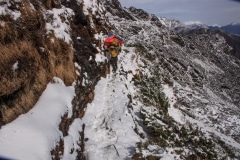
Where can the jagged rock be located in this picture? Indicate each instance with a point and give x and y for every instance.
(178, 40)
(139, 13)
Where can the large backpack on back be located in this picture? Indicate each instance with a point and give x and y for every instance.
(110, 40)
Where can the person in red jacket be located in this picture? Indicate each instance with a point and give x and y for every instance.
(113, 44)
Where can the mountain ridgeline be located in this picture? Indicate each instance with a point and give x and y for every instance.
(233, 28)
(202, 67)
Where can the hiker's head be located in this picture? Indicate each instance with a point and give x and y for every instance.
(110, 34)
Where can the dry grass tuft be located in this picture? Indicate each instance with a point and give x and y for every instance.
(24, 57)
(22, 77)
(49, 4)
(25, 73)
(7, 33)
(26, 9)
(61, 59)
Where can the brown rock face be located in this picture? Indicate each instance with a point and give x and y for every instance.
(30, 58)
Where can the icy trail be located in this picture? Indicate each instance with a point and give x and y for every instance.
(109, 121)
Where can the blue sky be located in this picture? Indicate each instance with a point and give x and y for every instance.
(211, 12)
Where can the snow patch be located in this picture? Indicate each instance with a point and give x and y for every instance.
(55, 24)
(15, 66)
(34, 134)
(174, 112)
(4, 9)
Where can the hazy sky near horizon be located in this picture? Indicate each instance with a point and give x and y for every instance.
(210, 12)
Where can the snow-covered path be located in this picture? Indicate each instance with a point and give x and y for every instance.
(109, 121)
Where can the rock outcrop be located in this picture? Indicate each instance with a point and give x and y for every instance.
(34, 49)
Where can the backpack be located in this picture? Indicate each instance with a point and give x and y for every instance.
(111, 40)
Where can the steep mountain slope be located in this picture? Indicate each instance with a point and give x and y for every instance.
(198, 66)
(173, 97)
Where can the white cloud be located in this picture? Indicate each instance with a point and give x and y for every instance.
(192, 22)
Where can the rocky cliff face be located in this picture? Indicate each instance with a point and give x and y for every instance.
(30, 56)
(43, 39)
(40, 40)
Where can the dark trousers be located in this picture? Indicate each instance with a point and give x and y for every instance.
(113, 62)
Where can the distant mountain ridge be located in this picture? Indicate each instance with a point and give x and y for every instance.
(231, 32)
(233, 28)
